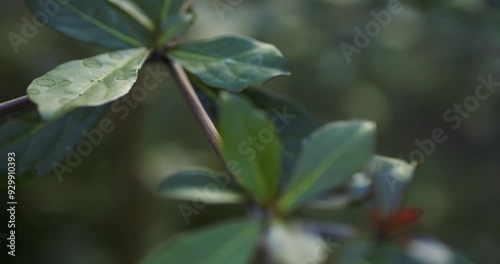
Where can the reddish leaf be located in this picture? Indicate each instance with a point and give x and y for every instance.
(398, 221)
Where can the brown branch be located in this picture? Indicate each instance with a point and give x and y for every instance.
(196, 107)
(15, 105)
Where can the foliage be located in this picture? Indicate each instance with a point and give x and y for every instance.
(275, 166)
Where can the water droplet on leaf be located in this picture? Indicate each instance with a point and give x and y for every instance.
(64, 83)
(46, 82)
(92, 63)
(116, 55)
(34, 91)
(125, 76)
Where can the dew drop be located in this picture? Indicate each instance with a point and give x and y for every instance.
(46, 82)
(69, 92)
(125, 76)
(63, 100)
(92, 63)
(64, 83)
(116, 56)
(34, 91)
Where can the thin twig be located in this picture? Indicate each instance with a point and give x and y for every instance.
(15, 105)
(196, 107)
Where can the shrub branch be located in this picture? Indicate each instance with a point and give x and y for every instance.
(15, 105)
(195, 105)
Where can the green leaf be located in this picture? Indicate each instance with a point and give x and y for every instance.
(289, 244)
(164, 18)
(333, 153)
(250, 146)
(89, 82)
(213, 188)
(94, 21)
(358, 188)
(160, 10)
(39, 144)
(231, 62)
(174, 27)
(227, 243)
(135, 12)
(391, 178)
(291, 119)
(294, 123)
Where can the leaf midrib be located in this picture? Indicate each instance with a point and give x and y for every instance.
(92, 83)
(164, 12)
(196, 56)
(259, 177)
(139, 15)
(104, 27)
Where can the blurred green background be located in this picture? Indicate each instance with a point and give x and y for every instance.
(428, 58)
